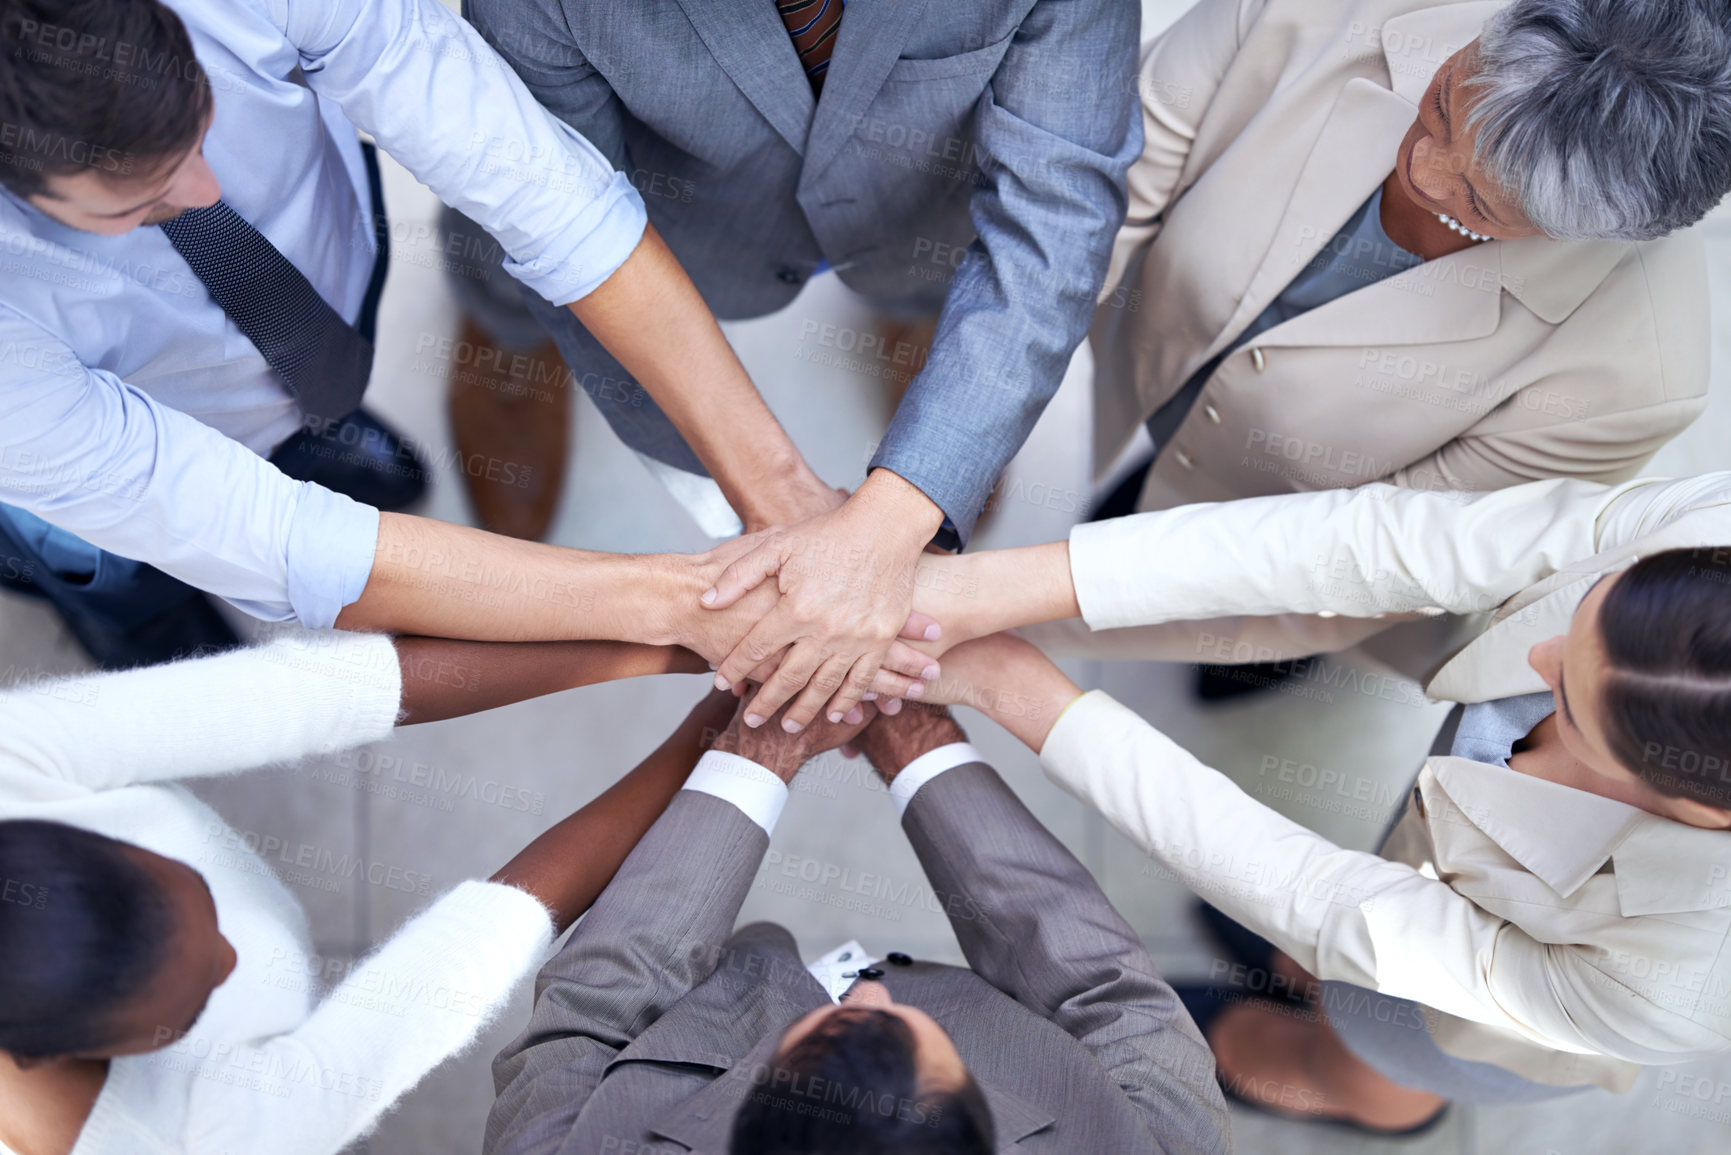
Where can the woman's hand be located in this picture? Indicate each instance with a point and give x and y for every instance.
(1008, 680)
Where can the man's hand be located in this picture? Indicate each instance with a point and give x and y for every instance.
(892, 743)
(798, 500)
(846, 582)
(783, 752)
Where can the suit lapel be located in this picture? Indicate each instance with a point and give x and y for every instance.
(750, 42)
(1353, 154)
(867, 46)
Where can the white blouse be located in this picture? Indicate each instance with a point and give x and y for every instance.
(268, 1067)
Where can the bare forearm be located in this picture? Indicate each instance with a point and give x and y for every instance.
(448, 679)
(569, 866)
(983, 593)
(440, 580)
(684, 362)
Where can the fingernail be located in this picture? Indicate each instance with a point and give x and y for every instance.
(855, 716)
(835, 717)
(930, 673)
(721, 683)
(791, 726)
(916, 690)
(934, 632)
(893, 707)
(869, 696)
(754, 720)
(708, 596)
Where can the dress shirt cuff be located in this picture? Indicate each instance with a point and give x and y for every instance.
(759, 794)
(602, 235)
(330, 554)
(926, 767)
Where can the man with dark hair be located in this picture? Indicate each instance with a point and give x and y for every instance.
(659, 1028)
(192, 256)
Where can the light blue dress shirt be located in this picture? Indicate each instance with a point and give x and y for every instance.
(136, 416)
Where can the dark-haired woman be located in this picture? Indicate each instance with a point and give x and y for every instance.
(158, 990)
(1552, 910)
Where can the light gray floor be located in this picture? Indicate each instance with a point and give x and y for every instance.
(564, 750)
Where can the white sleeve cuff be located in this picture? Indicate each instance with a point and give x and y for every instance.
(926, 767)
(757, 792)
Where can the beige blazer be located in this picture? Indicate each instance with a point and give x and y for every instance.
(1268, 123)
(1560, 934)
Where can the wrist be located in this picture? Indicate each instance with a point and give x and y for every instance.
(900, 506)
(660, 600)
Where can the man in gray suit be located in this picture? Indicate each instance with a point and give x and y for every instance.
(962, 157)
(660, 1029)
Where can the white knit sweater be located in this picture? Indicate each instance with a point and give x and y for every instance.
(264, 1070)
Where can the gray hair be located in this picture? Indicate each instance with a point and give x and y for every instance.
(1607, 118)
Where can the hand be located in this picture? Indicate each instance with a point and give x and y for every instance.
(1008, 680)
(845, 580)
(892, 743)
(783, 752)
(799, 500)
(713, 634)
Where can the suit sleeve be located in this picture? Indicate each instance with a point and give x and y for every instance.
(1053, 134)
(1033, 922)
(657, 931)
(1377, 549)
(1349, 915)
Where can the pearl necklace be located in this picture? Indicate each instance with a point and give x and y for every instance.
(1456, 226)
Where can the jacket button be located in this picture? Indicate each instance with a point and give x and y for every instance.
(789, 276)
(871, 974)
(1258, 360)
(1183, 459)
(1211, 413)
(897, 959)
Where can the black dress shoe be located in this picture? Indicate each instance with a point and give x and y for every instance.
(359, 456)
(191, 629)
(1226, 683)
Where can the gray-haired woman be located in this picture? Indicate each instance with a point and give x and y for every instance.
(1439, 245)
(1431, 244)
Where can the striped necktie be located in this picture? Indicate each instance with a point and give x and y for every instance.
(812, 24)
(322, 358)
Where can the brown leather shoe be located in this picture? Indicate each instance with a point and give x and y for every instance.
(511, 417)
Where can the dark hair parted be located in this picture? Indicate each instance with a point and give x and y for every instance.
(107, 86)
(83, 930)
(850, 1087)
(1666, 630)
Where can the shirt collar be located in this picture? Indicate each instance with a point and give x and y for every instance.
(1564, 836)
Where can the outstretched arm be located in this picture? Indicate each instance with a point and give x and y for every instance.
(1033, 922)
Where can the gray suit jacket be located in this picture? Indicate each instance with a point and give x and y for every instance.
(650, 1022)
(969, 156)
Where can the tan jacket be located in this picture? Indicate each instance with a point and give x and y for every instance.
(1563, 935)
(1269, 122)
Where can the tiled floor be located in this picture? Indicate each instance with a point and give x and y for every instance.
(564, 750)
